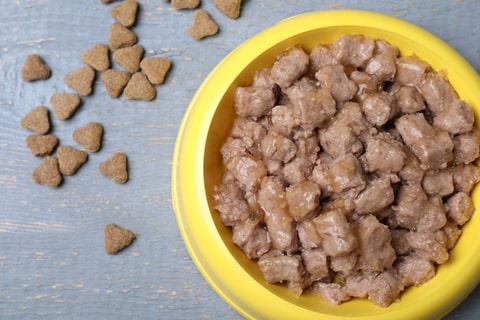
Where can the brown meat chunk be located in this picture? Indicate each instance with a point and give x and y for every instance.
(229, 202)
(277, 147)
(382, 65)
(303, 199)
(334, 79)
(410, 70)
(252, 238)
(437, 91)
(321, 56)
(414, 270)
(459, 208)
(253, 101)
(438, 183)
(353, 50)
(358, 285)
(379, 108)
(409, 99)
(384, 154)
(456, 118)
(307, 234)
(427, 246)
(279, 269)
(385, 288)
(345, 173)
(247, 169)
(466, 147)
(333, 293)
(378, 194)
(291, 64)
(465, 177)
(316, 263)
(314, 108)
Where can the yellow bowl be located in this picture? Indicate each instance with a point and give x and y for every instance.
(197, 167)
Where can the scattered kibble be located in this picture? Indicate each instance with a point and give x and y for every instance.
(48, 173)
(41, 145)
(231, 8)
(64, 105)
(37, 120)
(115, 168)
(35, 68)
(185, 4)
(139, 88)
(129, 58)
(89, 136)
(115, 81)
(117, 238)
(202, 25)
(121, 37)
(97, 57)
(81, 80)
(70, 159)
(155, 69)
(125, 13)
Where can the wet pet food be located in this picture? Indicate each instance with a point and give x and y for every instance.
(115, 81)
(139, 88)
(97, 57)
(81, 80)
(202, 25)
(37, 120)
(64, 105)
(231, 8)
(35, 68)
(115, 168)
(41, 145)
(125, 13)
(121, 37)
(116, 238)
(70, 159)
(48, 172)
(155, 69)
(129, 58)
(89, 136)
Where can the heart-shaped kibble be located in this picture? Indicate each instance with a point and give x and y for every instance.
(115, 168)
(139, 88)
(41, 145)
(202, 25)
(230, 8)
(35, 68)
(81, 80)
(89, 136)
(37, 120)
(117, 238)
(121, 37)
(185, 4)
(129, 57)
(64, 105)
(155, 69)
(70, 159)
(48, 173)
(115, 81)
(97, 57)
(125, 13)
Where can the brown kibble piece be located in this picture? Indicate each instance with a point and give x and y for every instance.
(64, 105)
(121, 37)
(37, 120)
(125, 13)
(81, 80)
(129, 57)
(97, 57)
(115, 81)
(139, 88)
(70, 159)
(48, 173)
(231, 8)
(115, 168)
(202, 25)
(89, 136)
(41, 145)
(185, 4)
(117, 238)
(35, 68)
(155, 69)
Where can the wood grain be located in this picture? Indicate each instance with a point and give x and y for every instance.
(52, 262)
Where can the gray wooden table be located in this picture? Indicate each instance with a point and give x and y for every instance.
(52, 262)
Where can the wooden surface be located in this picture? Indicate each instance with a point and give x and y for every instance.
(52, 262)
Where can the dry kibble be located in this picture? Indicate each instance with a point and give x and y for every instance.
(125, 13)
(185, 4)
(48, 173)
(115, 81)
(107, 1)
(41, 145)
(37, 120)
(139, 88)
(121, 37)
(89, 136)
(97, 57)
(231, 8)
(117, 238)
(115, 168)
(70, 159)
(129, 57)
(81, 80)
(35, 68)
(155, 69)
(202, 25)
(64, 105)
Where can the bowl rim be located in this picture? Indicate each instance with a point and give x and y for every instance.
(194, 220)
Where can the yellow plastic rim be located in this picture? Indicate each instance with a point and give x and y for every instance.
(197, 167)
